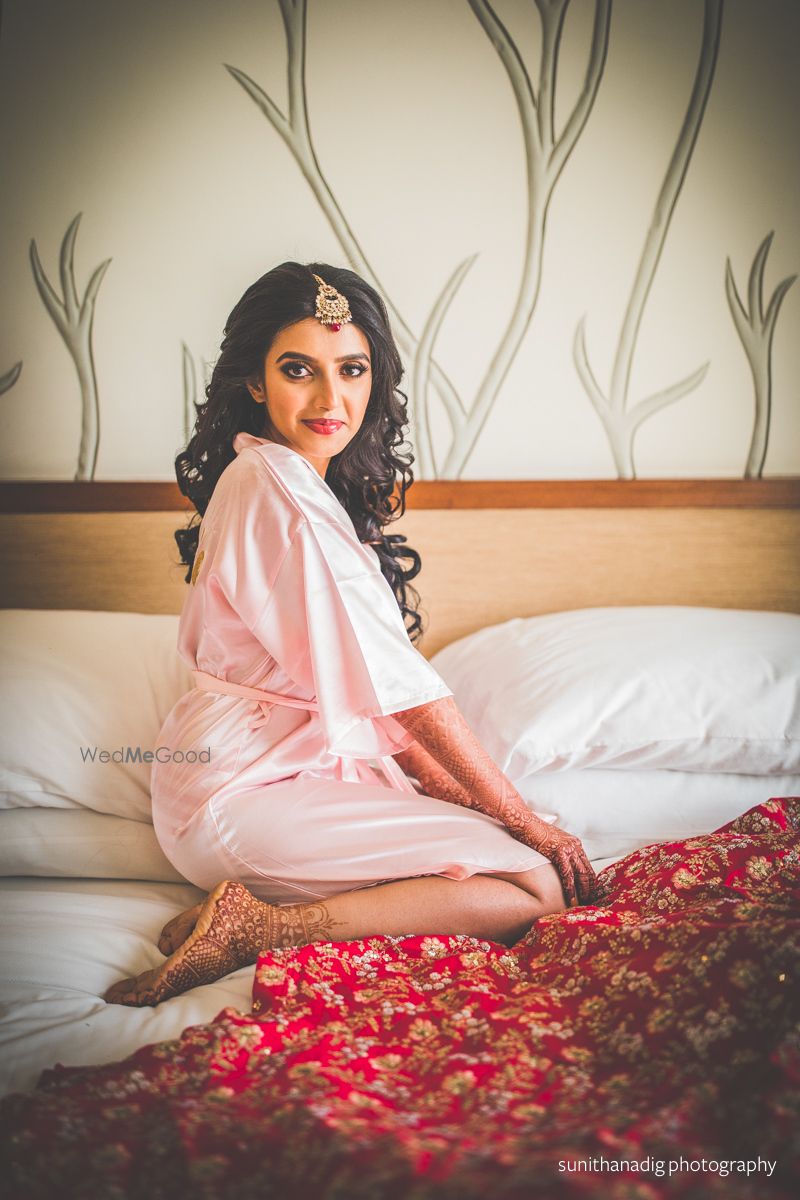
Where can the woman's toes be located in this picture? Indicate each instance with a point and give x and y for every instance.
(121, 988)
(133, 992)
(137, 993)
(165, 938)
(176, 931)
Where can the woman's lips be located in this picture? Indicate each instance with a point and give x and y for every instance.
(324, 426)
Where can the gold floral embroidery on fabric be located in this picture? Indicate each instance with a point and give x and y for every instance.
(758, 868)
(197, 563)
(429, 1064)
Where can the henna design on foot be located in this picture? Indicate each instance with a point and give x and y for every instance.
(176, 931)
(230, 931)
(299, 924)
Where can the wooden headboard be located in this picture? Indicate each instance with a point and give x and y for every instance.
(490, 550)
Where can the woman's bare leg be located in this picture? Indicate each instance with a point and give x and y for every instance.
(233, 927)
(541, 882)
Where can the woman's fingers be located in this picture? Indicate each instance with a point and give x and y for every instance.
(583, 872)
(576, 874)
(568, 856)
(563, 865)
(587, 879)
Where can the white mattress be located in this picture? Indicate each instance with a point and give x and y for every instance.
(62, 943)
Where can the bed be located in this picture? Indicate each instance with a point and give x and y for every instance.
(646, 701)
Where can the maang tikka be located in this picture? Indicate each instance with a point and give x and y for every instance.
(333, 309)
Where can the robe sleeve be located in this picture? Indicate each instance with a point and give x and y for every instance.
(332, 622)
(287, 560)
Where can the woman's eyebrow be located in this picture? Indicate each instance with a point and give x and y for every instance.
(308, 358)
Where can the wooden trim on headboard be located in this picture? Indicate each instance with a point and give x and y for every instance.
(64, 496)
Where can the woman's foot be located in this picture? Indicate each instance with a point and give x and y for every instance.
(230, 928)
(176, 931)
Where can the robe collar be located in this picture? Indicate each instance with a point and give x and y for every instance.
(243, 441)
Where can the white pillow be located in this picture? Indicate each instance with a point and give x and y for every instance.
(81, 844)
(616, 812)
(78, 682)
(637, 688)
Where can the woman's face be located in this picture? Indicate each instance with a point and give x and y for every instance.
(313, 374)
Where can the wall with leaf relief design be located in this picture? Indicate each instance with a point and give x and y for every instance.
(583, 216)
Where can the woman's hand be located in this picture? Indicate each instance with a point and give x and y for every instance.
(451, 764)
(567, 855)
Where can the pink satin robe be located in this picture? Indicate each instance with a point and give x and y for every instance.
(285, 598)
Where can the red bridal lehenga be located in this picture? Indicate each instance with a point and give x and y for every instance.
(640, 1048)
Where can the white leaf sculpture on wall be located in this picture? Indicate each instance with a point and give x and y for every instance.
(619, 422)
(190, 374)
(546, 155)
(8, 380)
(422, 359)
(73, 317)
(756, 329)
(296, 133)
(189, 392)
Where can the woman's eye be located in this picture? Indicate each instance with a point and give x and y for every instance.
(298, 370)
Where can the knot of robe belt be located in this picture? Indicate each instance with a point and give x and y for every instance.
(262, 714)
(264, 701)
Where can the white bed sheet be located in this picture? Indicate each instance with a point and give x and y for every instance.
(63, 942)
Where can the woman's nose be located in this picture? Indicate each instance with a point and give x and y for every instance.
(328, 393)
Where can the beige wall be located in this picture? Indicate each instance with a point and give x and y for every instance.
(126, 113)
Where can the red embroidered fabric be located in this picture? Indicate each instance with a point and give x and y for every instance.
(657, 1027)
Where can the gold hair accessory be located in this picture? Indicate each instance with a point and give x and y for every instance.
(332, 307)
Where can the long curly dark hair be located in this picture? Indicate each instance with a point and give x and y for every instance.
(363, 477)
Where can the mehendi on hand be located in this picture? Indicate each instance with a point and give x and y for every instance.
(447, 747)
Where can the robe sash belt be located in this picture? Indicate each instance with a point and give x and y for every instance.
(354, 770)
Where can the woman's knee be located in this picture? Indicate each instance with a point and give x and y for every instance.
(544, 885)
